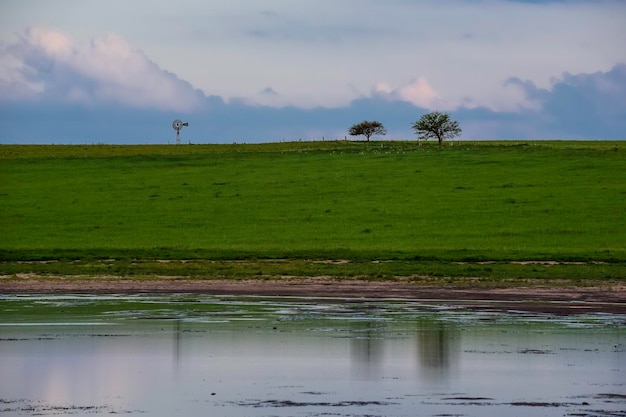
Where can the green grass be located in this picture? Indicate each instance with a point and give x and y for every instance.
(421, 209)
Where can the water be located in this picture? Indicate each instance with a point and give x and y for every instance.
(197, 355)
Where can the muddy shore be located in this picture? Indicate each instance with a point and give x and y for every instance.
(565, 299)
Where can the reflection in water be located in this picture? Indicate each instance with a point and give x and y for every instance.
(366, 348)
(177, 344)
(437, 347)
(297, 358)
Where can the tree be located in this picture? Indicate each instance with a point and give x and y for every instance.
(436, 125)
(367, 129)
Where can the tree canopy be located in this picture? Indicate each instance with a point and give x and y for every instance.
(436, 125)
(367, 129)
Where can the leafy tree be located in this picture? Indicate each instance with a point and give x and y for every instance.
(436, 125)
(367, 129)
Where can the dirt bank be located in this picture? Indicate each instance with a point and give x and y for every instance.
(565, 299)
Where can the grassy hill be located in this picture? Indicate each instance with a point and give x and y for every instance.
(389, 208)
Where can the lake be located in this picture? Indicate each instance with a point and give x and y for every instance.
(196, 355)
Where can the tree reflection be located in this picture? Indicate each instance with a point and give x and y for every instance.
(366, 347)
(437, 347)
(177, 344)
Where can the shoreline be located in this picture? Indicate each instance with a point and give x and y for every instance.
(567, 299)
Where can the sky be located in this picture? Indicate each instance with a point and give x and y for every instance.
(118, 71)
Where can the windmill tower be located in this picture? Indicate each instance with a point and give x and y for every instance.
(177, 125)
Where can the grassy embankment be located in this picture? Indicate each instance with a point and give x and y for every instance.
(472, 209)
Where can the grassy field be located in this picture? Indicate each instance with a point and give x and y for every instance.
(389, 208)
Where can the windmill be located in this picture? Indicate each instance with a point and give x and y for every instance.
(177, 125)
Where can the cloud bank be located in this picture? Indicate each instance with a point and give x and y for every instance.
(48, 66)
(54, 90)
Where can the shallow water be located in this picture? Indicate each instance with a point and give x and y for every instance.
(198, 355)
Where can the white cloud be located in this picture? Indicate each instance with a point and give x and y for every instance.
(464, 49)
(509, 96)
(327, 53)
(14, 85)
(417, 92)
(108, 70)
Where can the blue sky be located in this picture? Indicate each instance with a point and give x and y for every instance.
(86, 71)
